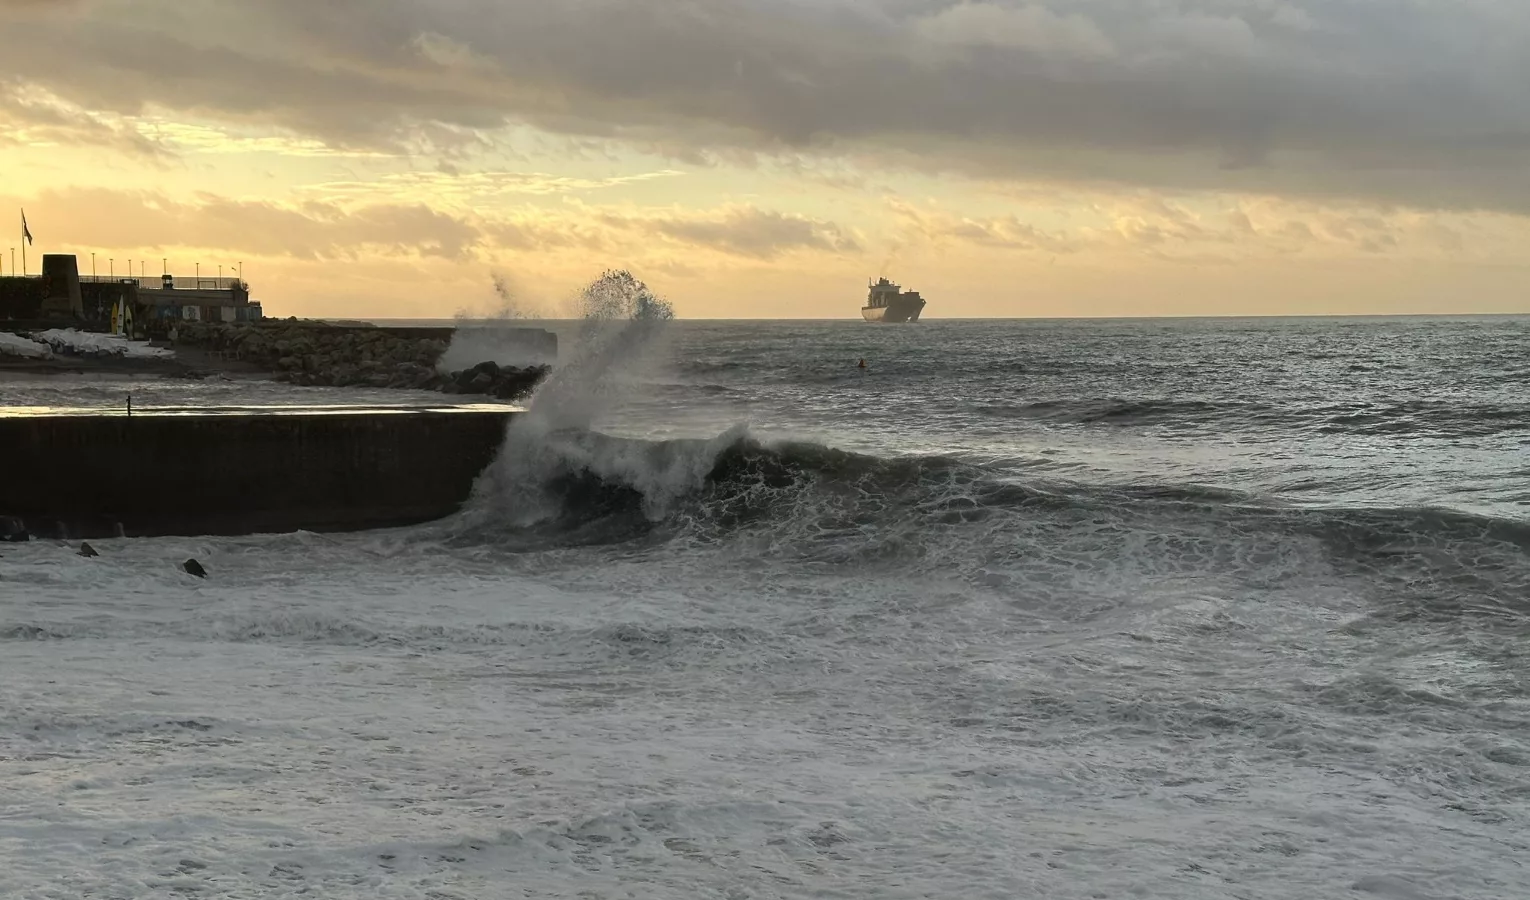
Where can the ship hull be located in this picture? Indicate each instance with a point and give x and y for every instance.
(895, 313)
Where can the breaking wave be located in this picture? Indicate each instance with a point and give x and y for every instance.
(812, 503)
(561, 483)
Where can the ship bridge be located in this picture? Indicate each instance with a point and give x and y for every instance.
(882, 293)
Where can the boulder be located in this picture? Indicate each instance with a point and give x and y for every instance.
(13, 531)
(314, 353)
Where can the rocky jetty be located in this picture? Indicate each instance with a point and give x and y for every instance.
(318, 353)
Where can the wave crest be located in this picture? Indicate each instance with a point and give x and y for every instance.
(816, 504)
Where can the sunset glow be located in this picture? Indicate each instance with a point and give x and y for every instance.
(763, 158)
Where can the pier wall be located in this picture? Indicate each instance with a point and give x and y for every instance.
(111, 475)
(22, 305)
(21, 297)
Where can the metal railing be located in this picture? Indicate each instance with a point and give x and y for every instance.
(107, 279)
(180, 283)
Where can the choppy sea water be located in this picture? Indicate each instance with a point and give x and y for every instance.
(1170, 609)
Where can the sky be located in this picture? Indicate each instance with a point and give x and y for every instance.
(765, 158)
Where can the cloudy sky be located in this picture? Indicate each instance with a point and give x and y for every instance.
(758, 158)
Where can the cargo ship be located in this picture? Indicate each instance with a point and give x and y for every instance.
(886, 302)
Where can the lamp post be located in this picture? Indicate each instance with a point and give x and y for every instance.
(111, 267)
(92, 267)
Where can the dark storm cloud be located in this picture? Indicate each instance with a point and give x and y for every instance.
(103, 217)
(23, 120)
(1415, 103)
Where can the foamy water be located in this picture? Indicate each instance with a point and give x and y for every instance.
(724, 665)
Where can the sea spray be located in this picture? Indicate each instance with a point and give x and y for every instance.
(622, 326)
(501, 334)
(512, 304)
(621, 329)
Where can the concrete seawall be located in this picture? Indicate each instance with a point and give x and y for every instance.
(84, 476)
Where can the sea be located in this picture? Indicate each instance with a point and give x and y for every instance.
(1231, 608)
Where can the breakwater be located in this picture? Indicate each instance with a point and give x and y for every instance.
(241, 473)
(317, 353)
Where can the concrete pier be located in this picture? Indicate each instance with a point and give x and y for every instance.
(242, 472)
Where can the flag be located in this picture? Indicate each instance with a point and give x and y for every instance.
(25, 231)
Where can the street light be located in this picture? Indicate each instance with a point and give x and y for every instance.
(92, 267)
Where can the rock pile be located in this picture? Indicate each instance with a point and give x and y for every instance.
(13, 531)
(315, 353)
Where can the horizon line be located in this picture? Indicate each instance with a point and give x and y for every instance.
(1425, 315)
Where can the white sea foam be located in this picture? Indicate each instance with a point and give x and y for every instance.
(16, 345)
(383, 716)
(870, 677)
(74, 341)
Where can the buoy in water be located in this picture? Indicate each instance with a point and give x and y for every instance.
(862, 365)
